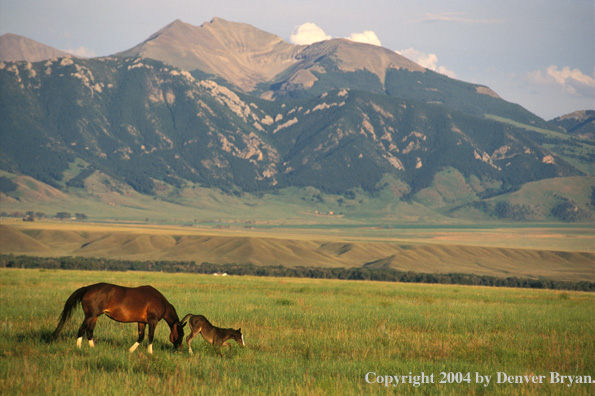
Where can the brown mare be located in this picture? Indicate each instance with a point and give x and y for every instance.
(214, 335)
(143, 304)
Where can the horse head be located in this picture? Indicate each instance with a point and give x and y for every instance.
(239, 337)
(177, 334)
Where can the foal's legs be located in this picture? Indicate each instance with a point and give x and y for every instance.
(193, 333)
(217, 347)
(141, 337)
(219, 344)
(228, 345)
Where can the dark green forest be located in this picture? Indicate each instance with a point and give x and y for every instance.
(362, 274)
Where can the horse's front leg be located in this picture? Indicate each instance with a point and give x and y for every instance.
(218, 345)
(141, 337)
(217, 348)
(228, 345)
(152, 325)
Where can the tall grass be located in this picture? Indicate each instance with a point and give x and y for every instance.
(302, 336)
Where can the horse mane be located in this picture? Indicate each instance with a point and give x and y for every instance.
(171, 316)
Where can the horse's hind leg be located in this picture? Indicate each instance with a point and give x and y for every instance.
(141, 337)
(193, 333)
(86, 327)
(79, 335)
(188, 341)
(90, 328)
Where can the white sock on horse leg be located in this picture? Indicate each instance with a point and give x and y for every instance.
(190, 350)
(133, 348)
(91, 344)
(79, 342)
(151, 349)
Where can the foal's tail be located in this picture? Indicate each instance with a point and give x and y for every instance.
(74, 299)
(185, 318)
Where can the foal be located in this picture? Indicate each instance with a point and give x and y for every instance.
(215, 336)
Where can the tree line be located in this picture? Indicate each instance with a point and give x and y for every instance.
(31, 215)
(362, 273)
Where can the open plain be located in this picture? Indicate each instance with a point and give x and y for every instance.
(559, 253)
(303, 337)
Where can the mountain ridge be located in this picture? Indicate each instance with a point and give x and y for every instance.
(580, 123)
(262, 56)
(16, 48)
(415, 136)
(203, 47)
(225, 50)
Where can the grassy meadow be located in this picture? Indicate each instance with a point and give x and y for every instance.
(305, 337)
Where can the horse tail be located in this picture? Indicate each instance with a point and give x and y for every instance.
(185, 318)
(74, 299)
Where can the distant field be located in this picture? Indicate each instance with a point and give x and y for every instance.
(554, 253)
(303, 337)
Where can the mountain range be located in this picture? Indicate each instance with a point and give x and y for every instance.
(227, 107)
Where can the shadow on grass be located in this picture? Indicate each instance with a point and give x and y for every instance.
(116, 343)
(33, 336)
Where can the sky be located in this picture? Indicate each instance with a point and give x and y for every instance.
(537, 53)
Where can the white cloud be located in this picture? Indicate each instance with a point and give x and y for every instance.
(429, 61)
(82, 52)
(574, 81)
(308, 33)
(367, 37)
(457, 17)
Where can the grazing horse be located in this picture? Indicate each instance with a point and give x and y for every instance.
(143, 304)
(214, 335)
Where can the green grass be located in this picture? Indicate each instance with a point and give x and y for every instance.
(548, 132)
(302, 336)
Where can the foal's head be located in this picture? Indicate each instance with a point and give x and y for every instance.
(238, 337)
(177, 334)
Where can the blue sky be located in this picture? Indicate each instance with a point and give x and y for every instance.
(538, 53)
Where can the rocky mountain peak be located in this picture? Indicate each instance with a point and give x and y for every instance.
(18, 48)
(246, 56)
